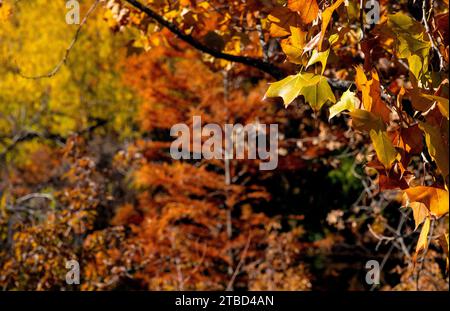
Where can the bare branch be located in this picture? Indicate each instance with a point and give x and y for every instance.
(241, 262)
(250, 61)
(58, 66)
(427, 29)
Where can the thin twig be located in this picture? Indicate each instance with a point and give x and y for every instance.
(427, 29)
(241, 262)
(250, 61)
(58, 66)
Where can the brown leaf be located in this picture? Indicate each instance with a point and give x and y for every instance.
(282, 19)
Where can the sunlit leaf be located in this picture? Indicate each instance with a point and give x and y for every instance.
(442, 103)
(437, 146)
(412, 42)
(314, 88)
(423, 238)
(319, 57)
(348, 101)
(435, 199)
(371, 94)
(293, 46)
(420, 212)
(326, 17)
(307, 9)
(282, 19)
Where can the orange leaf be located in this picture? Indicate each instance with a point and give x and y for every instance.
(307, 9)
(435, 199)
(371, 94)
(326, 17)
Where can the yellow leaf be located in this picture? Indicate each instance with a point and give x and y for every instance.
(318, 92)
(349, 101)
(288, 88)
(411, 42)
(317, 57)
(384, 148)
(437, 147)
(314, 88)
(423, 238)
(435, 199)
(442, 103)
(293, 46)
(420, 212)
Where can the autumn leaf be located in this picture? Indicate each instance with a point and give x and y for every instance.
(371, 94)
(437, 146)
(293, 46)
(288, 88)
(318, 92)
(386, 152)
(348, 101)
(423, 237)
(326, 17)
(319, 57)
(363, 120)
(420, 212)
(419, 101)
(307, 9)
(282, 20)
(435, 199)
(442, 103)
(314, 88)
(411, 42)
(410, 139)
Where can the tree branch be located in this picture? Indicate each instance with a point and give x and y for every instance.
(264, 66)
(260, 64)
(58, 66)
(430, 36)
(30, 135)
